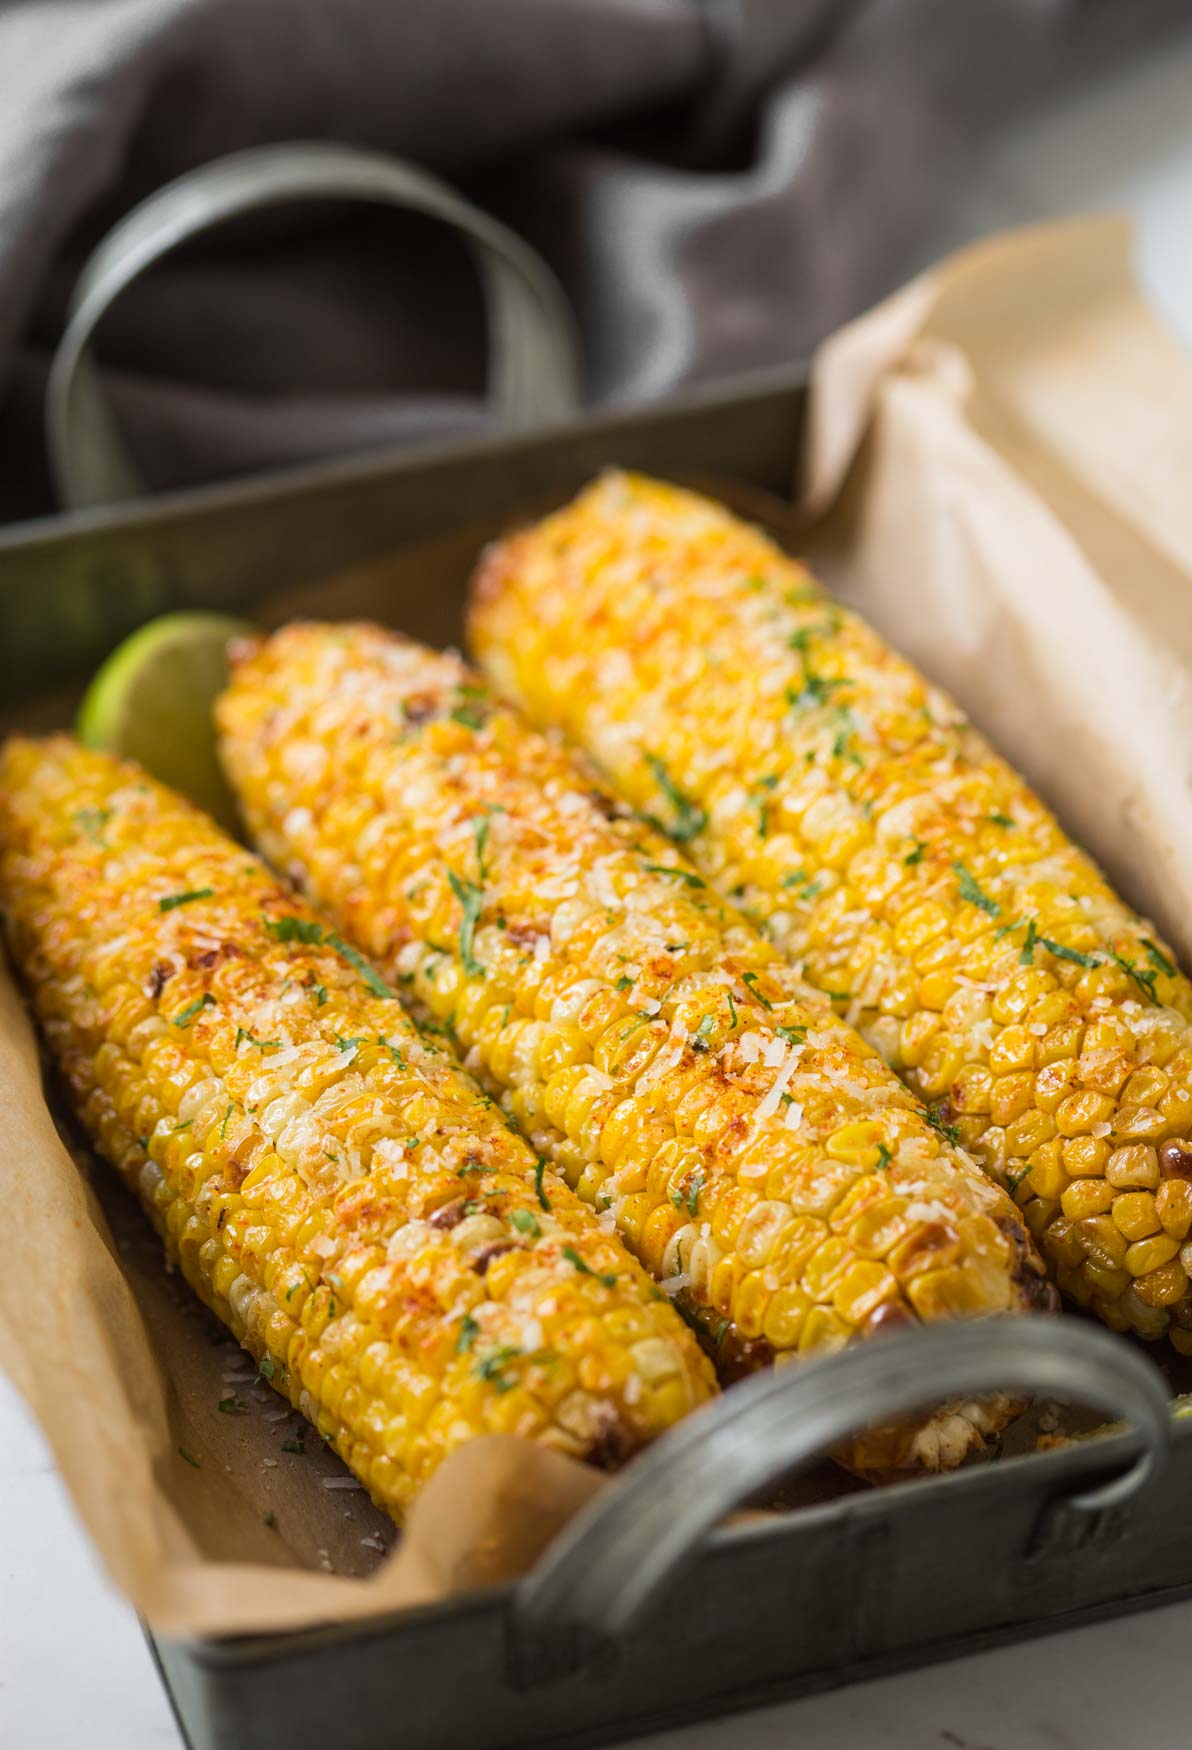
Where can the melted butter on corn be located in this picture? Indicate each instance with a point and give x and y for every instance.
(335, 1188)
(881, 843)
(761, 1161)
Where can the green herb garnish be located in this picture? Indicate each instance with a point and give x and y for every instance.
(92, 821)
(243, 1033)
(471, 898)
(539, 1169)
(185, 1016)
(232, 1407)
(573, 1257)
(1157, 958)
(937, 1122)
(689, 818)
(173, 900)
(684, 875)
(973, 895)
(526, 1222)
(749, 979)
(190, 1458)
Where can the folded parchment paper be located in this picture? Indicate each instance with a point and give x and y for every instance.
(999, 466)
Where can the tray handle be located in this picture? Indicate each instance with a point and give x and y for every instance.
(533, 371)
(600, 1577)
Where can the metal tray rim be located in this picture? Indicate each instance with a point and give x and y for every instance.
(1069, 1465)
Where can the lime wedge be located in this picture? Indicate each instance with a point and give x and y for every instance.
(152, 701)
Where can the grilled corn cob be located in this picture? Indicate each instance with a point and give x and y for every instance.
(900, 863)
(759, 1159)
(332, 1184)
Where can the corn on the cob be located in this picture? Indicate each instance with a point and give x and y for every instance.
(901, 864)
(332, 1184)
(760, 1160)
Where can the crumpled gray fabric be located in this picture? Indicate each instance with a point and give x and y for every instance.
(717, 184)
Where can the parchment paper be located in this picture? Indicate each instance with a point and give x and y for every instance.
(998, 475)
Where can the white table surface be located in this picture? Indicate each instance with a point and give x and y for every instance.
(73, 1666)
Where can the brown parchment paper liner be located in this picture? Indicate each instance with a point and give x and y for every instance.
(1000, 471)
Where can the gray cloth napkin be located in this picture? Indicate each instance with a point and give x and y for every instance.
(717, 185)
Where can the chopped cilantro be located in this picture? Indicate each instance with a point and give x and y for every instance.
(469, 1330)
(291, 929)
(267, 1367)
(526, 1222)
(814, 691)
(1144, 980)
(539, 1169)
(232, 1407)
(732, 1008)
(1015, 1180)
(270, 1519)
(684, 875)
(173, 900)
(1001, 820)
(92, 821)
(1157, 958)
(797, 878)
(916, 856)
(190, 1458)
(243, 1033)
(1027, 957)
(374, 984)
(480, 826)
(1072, 954)
(973, 895)
(185, 1016)
(699, 1040)
(693, 1191)
(689, 818)
(312, 934)
(936, 1120)
(792, 1035)
(348, 1044)
(749, 979)
(492, 1366)
(884, 1157)
(320, 995)
(624, 983)
(298, 1446)
(183, 1126)
(573, 1257)
(468, 715)
(223, 1129)
(471, 898)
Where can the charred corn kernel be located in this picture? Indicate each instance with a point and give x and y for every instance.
(887, 849)
(739, 1129)
(331, 1183)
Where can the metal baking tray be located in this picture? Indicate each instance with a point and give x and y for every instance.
(647, 1612)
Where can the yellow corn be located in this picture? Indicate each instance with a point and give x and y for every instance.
(331, 1183)
(882, 844)
(760, 1160)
